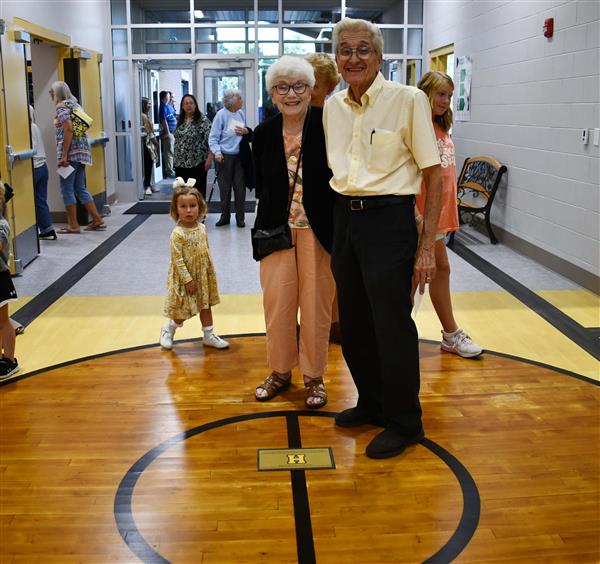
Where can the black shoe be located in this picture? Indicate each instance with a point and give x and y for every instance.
(48, 235)
(241, 223)
(391, 443)
(354, 417)
(8, 367)
(222, 222)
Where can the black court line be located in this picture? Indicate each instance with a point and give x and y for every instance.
(471, 507)
(305, 545)
(594, 332)
(123, 506)
(40, 371)
(40, 303)
(567, 326)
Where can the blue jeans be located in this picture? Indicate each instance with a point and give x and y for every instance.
(40, 192)
(73, 187)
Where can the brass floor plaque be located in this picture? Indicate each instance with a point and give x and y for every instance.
(295, 459)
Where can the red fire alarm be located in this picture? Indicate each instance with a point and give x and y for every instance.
(549, 27)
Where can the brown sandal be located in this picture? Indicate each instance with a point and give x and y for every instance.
(273, 385)
(315, 390)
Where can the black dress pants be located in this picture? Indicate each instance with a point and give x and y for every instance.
(231, 177)
(197, 172)
(372, 262)
(148, 164)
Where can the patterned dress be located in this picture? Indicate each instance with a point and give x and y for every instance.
(190, 260)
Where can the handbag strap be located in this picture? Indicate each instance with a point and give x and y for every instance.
(304, 130)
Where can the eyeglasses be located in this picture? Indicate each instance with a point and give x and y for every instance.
(362, 52)
(298, 88)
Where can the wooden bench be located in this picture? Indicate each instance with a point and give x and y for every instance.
(477, 185)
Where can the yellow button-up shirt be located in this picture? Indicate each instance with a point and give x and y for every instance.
(379, 148)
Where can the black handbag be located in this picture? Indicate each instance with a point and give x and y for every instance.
(272, 239)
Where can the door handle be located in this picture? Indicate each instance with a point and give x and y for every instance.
(20, 156)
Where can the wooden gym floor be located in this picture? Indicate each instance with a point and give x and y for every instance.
(112, 450)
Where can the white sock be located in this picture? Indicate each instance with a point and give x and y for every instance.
(207, 330)
(452, 334)
(173, 325)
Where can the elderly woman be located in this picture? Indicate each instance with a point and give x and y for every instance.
(228, 128)
(327, 78)
(292, 183)
(192, 155)
(74, 151)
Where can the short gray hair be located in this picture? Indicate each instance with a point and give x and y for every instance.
(351, 24)
(298, 67)
(229, 97)
(62, 91)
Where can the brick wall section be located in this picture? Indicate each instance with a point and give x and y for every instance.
(530, 98)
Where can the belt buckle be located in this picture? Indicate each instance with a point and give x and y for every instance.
(357, 205)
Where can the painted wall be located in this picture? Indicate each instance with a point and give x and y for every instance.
(531, 97)
(88, 25)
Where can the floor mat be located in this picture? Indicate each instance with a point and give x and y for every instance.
(162, 207)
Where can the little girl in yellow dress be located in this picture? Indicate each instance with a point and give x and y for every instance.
(192, 282)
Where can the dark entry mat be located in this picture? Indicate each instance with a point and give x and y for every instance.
(162, 207)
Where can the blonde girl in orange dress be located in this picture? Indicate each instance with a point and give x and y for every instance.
(192, 281)
(439, 88)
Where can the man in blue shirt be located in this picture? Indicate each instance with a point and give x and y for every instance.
(229, 125)
(168, 122)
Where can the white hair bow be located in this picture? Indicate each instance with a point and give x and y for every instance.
(178, 182)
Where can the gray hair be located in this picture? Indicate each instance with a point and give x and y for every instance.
(229, 97)
(298, 67)
(351, 24)
(62, 91)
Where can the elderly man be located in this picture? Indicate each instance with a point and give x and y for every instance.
(228, 128)
(380, 142)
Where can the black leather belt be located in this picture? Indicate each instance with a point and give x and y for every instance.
(366, 203)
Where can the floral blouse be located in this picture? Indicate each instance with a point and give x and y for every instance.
(79, 149)
(191, 143)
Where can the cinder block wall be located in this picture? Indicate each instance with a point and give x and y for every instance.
(531, 97)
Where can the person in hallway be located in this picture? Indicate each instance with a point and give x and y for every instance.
(149, 148)
(8, 363)
(439, 88)
(292, 181)
(228, 128)
(327, 78)
(73, 151)
(40, 182)
(192, 281)
(168, 123)
(380, 143)
(192, 157)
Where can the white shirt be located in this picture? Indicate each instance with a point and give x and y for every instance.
(37, 143)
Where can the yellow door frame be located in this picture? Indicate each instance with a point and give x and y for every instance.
(438, 58)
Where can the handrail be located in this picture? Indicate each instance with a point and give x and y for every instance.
(99, 141)
(20, 156)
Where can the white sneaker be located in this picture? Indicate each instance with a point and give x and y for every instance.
(212, 340)
(148, 191)
(155, 189)
(166, 336)
(461, 344)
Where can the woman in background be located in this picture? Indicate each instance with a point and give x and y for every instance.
(192, 156)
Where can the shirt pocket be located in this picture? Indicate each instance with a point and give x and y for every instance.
(387, 151)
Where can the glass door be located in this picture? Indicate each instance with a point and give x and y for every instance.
(214, 77)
